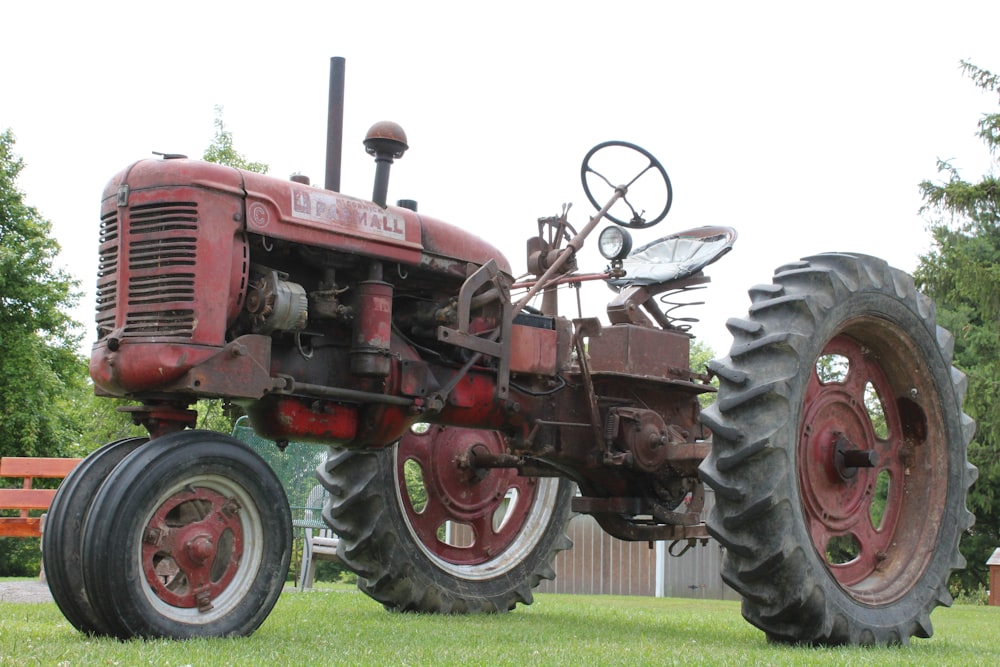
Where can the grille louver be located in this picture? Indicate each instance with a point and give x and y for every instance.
(107, 274)
(160, 247)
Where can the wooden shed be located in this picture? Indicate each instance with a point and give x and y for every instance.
(600, 564)
(994, 563)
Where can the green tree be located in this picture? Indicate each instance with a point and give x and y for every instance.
(96, 418)
(214, 414)
(39, 364)
(40, 369)
(961, 273)
(698, 358)
(221, 150)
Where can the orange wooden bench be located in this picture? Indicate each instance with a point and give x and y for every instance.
(26, 498)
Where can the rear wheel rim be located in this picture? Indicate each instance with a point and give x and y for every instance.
(454, 493)
(890, 546)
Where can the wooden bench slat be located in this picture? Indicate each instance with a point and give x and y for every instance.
(20, 527)
(29, 466)
(29, 499)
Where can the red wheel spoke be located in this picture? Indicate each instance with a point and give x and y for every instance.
(873, 545)
(840, 420)
(484, 538)
(857, 376)
(192, 546)
(427, 522)
(463, 494)
(417, 447)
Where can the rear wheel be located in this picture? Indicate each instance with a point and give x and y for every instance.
(454, 539)
(839, 455)
(190, 536)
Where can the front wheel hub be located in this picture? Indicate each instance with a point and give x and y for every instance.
(197, 548)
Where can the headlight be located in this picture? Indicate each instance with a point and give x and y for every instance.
(614, 243)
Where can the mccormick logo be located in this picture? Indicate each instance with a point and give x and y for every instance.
(346, 213)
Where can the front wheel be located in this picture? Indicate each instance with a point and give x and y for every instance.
(189, 536)
(839, 455)
(455, 539)
(61, 548)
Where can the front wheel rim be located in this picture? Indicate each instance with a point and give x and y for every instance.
(200, 549)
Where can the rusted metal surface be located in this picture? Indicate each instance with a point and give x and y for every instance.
(387, 142)
(640, 352)
(295, 213)
(533, 350)
(841, 458)
(643, 433)
(161, 418)
(338, 320)
(685, 457)
(241, 369)
(623, 529)
(290, 418)
(466, 495)
(616, 505)
(372, 329)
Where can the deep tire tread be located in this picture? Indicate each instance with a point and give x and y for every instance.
(391, 568)
(769, 558)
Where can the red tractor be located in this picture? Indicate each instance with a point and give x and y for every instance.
(836, 448)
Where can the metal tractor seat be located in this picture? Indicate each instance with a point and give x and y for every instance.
(676, 256)
(671, 264)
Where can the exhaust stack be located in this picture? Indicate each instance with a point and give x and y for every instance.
(335, 124)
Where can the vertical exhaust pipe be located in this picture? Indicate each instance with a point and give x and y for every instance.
(335, 124)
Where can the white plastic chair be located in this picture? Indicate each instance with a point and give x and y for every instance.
(319, 543)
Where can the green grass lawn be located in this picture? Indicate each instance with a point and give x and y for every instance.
(338, 625)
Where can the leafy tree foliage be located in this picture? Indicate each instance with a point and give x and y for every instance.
(39, 365)
(221, 150)
(698, 358)
(961, 273)
(40, 370)
(213, 414)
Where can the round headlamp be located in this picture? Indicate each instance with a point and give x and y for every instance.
(614, 243)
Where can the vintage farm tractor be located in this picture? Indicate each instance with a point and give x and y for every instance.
(836, 448)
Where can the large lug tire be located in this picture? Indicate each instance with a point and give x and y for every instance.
(397, 551)
(61, 548)
(840, 496)
(189, 536)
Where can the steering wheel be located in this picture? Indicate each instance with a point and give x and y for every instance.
(639, 188)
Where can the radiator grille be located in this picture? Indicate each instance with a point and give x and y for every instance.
(160, 248)
(107, 274)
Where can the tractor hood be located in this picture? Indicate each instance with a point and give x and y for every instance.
(320, 218)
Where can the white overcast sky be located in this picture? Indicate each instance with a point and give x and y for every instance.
(805, 125)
